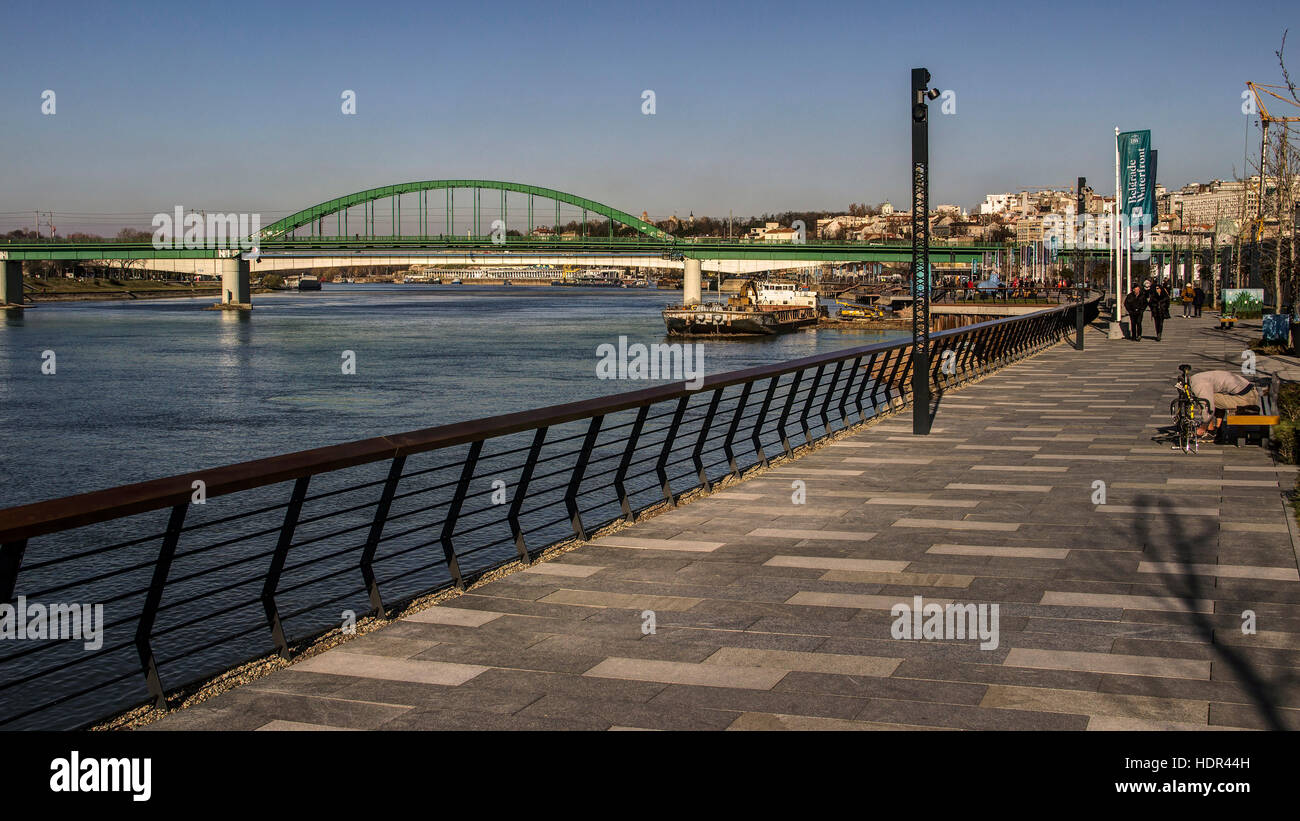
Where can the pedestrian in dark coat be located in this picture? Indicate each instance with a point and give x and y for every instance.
(1198, 301)
(1135, 304)
(1159, 304)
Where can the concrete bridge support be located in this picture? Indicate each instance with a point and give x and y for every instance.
(236, 292)
(691, 282)
(11, 283)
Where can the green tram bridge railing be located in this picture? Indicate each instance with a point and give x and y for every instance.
(283, 546)
(704, 248)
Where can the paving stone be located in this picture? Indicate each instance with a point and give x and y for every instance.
(805, 662)
(1108, 663)
(705, 675)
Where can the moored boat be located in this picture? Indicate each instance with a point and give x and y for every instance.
(760, 309)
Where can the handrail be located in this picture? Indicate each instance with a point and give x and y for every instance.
(585, 469)
(50, 516)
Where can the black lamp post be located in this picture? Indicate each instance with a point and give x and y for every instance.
(1080, 280)
(920, 96)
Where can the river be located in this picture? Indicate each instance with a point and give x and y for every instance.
(153, 388)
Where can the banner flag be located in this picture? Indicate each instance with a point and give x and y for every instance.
(1137, 176)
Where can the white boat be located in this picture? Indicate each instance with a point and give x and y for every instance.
(784, 293)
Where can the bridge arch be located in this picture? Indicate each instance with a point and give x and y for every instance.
(313, 215)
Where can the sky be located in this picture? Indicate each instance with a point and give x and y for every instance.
(759, 107)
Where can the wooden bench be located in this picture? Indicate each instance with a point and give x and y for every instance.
(1227, 322)
(1260, 422)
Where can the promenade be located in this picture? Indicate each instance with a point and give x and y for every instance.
(769, 614)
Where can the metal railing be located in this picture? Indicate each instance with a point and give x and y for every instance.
(201, 572)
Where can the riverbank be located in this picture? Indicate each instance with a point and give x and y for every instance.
(37, 291)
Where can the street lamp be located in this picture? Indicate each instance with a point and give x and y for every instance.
(1081, 264)
(921, 94)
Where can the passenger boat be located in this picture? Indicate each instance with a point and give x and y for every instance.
(760, 309)
(307, 282)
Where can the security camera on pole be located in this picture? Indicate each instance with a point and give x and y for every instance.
(921, 94)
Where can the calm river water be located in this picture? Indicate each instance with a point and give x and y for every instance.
(154, 388)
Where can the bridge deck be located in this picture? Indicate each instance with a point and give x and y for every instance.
(776, 615)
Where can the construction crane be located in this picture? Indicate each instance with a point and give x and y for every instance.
(1259, 92)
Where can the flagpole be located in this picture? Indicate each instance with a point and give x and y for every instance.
(1114, 330)
(1128, 257)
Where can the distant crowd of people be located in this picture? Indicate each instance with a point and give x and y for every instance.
(1155, 297)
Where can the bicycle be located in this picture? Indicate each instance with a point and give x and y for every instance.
(1184, 409)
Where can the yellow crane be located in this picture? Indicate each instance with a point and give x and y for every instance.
(1259, 92)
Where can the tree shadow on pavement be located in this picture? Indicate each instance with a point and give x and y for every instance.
(1177, 542)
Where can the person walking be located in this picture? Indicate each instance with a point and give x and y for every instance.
(1159, 303)
(1135, 304)
(1188, 298)
(1198, 301)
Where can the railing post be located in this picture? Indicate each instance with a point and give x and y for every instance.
(1003, 345)
(848, 388)
(11, 561)
(905, 381)
(830, 394)
(727, 449)
(575, 480)
(807, 405)
(291, 515)
(376, 531)
(983, 351)
(862, 386)
(661, 466)
(879, 381)
(785, 412)
(521, 491)
(963, 361)
(698, 451)
(453, 512)
(144, 631)
(759, 453)
(620, 476)
(897, 379)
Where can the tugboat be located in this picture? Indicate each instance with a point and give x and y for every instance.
(760, 309)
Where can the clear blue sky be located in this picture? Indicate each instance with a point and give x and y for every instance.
(760, 106)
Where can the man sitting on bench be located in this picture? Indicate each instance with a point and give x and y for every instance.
(1224, 391)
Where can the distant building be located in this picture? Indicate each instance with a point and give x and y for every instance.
(772, 232)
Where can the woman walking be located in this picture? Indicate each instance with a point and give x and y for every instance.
(1158, 299)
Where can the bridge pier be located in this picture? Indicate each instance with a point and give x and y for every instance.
(236, 292)
(11, 284)
(691, 282)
